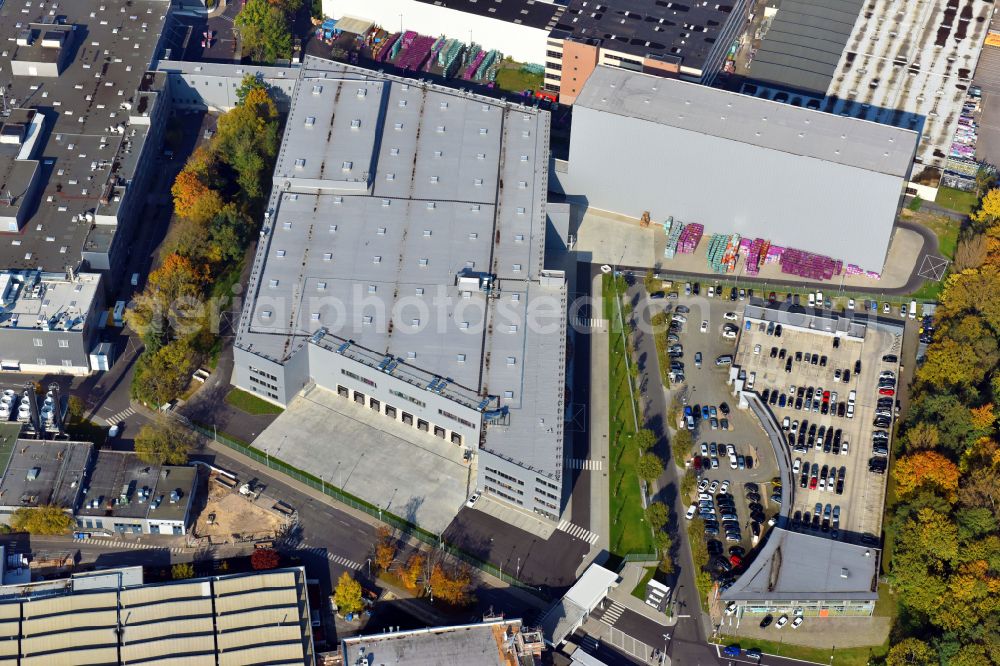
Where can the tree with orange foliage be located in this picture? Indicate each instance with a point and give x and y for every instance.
(193, 199)
(926, 467)
(385, 548)
(413, 570)
(451, 585)
(982, 417)
(263, 559)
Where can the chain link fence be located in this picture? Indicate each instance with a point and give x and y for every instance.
(404, 526)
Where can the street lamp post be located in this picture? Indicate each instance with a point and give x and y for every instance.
(369, 561)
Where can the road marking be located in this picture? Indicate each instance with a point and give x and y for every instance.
(612, 614)
(589, 322)
(121, 416)
(578, 532)
(585, 464)
(336, 559)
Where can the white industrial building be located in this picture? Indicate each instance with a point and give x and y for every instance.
(737, 164)
(401, 265)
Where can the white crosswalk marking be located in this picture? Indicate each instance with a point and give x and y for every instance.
(578, 532)
(586, 464)
(336, 559)
(121, 416)
(612, 614)
(589, 322)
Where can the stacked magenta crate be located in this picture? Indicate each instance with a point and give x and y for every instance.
(690, 237)
(753, 256)
(809, 265)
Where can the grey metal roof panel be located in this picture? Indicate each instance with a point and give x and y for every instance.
(793, 566)
(749, 120)
(804, 43)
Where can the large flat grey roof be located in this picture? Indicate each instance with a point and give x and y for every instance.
(792, 566)
(108, 55)
(114, 470)
(44, 472)
(804, 43)
(749, 120)
(385, 191)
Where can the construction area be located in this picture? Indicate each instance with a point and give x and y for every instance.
(233, 516)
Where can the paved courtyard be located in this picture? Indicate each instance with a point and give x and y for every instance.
(407, 472)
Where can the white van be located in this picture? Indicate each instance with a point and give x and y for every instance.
(913, 309)
(812, 300)
(750, 380)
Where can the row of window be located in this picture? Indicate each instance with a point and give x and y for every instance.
(263, 383)
(364, 380)
(509, 487)
(408, 398)
(507, 497)
(67, 363)
(40, 342)
(390, 411)
(546, 482)
(545, 493)
(468, 424)
(266, 375)
(505, 476)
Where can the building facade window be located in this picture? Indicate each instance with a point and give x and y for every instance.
(423, 425)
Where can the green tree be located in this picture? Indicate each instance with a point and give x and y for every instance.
(165, 374)
(664, 544)
(43, 519)
(164, 442)
(649, 467)
(264, 31)
(681, 446)
(247, 139)
(645, 439)
(347, 595)
(688, 483)
(250, 82)
(911, 652)
(182, 571)
(657, 514)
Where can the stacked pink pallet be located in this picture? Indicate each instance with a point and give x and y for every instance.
(853, 269)
(774, 254)
(416, 53)
(874, 275)
(753, 255)
(745, 245)
(690, 238)
(809, 265)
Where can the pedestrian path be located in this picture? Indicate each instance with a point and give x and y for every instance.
(578, 532)
(121, 416)
(590, 465)
(134, 545)
(612, 613)
(336, 559)
(590, 322)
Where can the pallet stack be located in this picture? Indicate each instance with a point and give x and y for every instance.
(673, 238)
(809, 265)
(716, 250)
(690, 237)
(755, 255)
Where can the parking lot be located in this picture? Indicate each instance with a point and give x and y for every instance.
(813, 379)
(706, 387)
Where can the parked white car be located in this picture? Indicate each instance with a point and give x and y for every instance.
(731, 316)
(693, 509)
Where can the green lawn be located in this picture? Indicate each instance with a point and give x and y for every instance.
(946, 229)
(957, 200)
(629, 531)
(639, 591)
(250, 403)
(511, 77)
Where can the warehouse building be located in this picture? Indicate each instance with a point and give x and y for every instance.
(126, 495)
(737, 164)
(401, 265)
(114, 617)
(904, 64)
(803, 574)
(81, 132)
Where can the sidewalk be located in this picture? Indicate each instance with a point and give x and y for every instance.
(631, 575)
(598, 424)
